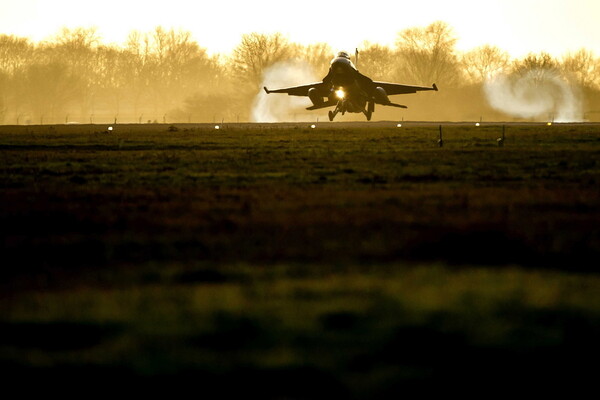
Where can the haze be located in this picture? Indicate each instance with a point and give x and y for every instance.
(517, 26)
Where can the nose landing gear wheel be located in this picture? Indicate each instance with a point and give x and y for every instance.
(369, 111)
(331, 115)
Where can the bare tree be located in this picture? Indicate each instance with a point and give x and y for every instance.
(538, 67)
(47, 89)
(167, 72)
(484, 62)
(76, 49)
(582, 67)
(255, 53)
(377, 61)
(4, 79)
(15, 53)
(318, 56)
(427, 55)
(111, 78)
(77, 38)
(139, 62)
(184, 63)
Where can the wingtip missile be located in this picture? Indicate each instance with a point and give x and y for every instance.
(435, 87)
(266, 90)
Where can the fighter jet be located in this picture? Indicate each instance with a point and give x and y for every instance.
(349, 90)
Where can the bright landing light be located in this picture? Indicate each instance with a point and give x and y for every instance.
(340, 94)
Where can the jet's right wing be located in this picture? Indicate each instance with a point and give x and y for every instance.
(328, 103)
(301, 90)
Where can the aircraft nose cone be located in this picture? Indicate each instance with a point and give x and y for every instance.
(340, 66)
(343, 62)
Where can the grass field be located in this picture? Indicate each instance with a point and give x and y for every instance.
(337, 262)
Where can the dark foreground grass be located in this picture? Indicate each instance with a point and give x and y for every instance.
(300, 263)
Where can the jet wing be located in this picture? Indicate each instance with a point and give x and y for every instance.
(328, 103)
(397, 88)
(301, 90)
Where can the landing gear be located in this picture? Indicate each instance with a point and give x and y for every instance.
(369, 111)
(339, 107)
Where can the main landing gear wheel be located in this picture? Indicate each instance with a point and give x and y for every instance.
(368, 115)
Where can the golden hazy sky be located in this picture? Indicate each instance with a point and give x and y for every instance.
(519, 26)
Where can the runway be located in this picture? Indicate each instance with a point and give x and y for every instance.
(157, 127)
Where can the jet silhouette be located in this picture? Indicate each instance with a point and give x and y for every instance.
(349, 90)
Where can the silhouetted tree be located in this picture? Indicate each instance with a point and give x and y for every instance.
(15, 53)
(47, 89)
(538, 67)
(484, 62)
(77, 38)
(377, 61)
(168, 66)
(76, 50)
(255, 53)
(427, 55)
(139, 69)
(582, 67)
(168, 72)
(318, 56)
(187, 66)
(4, 79)
(111, 78)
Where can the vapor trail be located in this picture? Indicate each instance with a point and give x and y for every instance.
(535, 94)
(280, 107)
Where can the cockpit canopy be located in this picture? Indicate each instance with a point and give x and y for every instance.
(342, 61)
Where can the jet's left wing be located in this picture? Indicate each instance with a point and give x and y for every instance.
(301, 90)
(397, 88)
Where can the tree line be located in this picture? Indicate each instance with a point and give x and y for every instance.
(166, 76)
